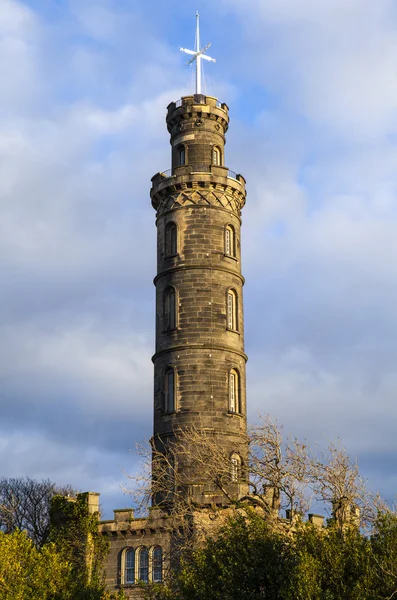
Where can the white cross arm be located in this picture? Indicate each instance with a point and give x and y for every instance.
(187, 51)
(208, 58)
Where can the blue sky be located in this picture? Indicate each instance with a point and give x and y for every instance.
(312, 91)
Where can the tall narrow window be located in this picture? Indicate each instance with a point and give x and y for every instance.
(216, 156)
(143, 574)
(235, 468)
(169, 390)
(234, 392)
(157, 562)
(170, 308)
(129, 566)
(181, 155)
(230, 243)
(231, 310)
(171, 246)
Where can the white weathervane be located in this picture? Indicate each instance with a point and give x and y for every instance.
(198, 55)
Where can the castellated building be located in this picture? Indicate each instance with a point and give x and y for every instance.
(199, 360)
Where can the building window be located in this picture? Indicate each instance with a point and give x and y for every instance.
(231, 310)
(171, 246)
(235, 468)
(170, 308)
(143, 573)
(181, 155)
(234, 392)
(230, 241)
(216, 156)
(129, 566)
(157, 565)
(169, 390)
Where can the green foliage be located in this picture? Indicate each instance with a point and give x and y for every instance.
(70, 567)
(249, 559)
(76, 538)
(27, 573)
(384, 549)
(331, 564)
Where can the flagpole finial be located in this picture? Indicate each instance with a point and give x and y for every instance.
(198, 55)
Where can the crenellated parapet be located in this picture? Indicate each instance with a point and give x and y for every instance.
(215, 188)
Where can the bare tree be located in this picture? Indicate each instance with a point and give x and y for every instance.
(173, 474)
(282, 473)
(183, 475)
(196, 466)
(279, 473)
(25, 505)
(336, 481)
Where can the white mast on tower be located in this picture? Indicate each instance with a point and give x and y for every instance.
(198, 55)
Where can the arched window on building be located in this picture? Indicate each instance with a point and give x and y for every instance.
(235, 468)
(143, 569)
(216, 155)
(231, 310)
(169, 390)
(171, 239)
(230, 241)
(157, 565)
(181, 155)
(234, 391)
(129, 566)
(170, 308)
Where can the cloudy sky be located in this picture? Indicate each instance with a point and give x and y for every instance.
(312, 91)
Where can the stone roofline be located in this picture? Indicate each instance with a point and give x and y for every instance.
(124, 519)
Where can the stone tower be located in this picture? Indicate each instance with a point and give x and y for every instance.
(199, 363)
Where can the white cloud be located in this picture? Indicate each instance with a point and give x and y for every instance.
(334, 62)
(98, 21)
(106, 365)
(82, 131)
(89, 468)
(16, 19)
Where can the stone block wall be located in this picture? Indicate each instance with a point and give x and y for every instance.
(204, 347)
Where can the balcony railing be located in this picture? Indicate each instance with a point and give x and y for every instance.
(200, 99)
(197, 169)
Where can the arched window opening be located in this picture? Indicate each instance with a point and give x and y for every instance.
(169, 390)
(235, 468)
(171, 246)
(129, 566)
(234, 392)
(143, 574)
(181, 155)
(216, 156)
(170, 308)
(157, 562)
(231, 310)
(230, 242)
